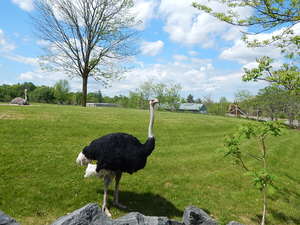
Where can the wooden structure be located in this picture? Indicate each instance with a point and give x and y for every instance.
(235, 110)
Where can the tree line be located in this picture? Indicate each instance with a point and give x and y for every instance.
(58, 94)
(272, 101)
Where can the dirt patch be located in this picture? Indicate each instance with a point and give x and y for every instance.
(11, 116)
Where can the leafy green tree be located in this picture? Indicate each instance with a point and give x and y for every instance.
(5, 93)
(86, 38)
(260, 132)
(190, 98)
(168, 95)
(242, 95)
(8, 92)
(95, 97)
(288, 76)
(244, 100)
(271, 100)
(136, 100)
(223, 105)
(61, 90)
(42, 94)
(121, 100)
(292, 107)
(172, 96)
(29, 86)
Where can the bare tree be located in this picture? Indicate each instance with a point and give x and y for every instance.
(86, 38)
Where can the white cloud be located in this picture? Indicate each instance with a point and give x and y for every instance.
(143, 11)
(247, 56)
(26, 5)
(5, 46)
(188, 25)
(196, 76)
(151, 48)
(180, 57)
(241, 53)
(23, 59)
(193, 53)
(43, 43)
(40, 77)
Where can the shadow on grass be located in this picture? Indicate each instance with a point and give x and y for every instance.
(146, 203)
(284, 219)
(286, 194)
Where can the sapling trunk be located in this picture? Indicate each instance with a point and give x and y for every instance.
(264, 187)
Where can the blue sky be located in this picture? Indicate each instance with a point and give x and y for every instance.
(179, 44)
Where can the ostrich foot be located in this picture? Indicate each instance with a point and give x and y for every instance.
(106, 211)
(119, 205)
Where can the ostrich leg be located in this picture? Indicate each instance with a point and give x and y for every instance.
(107, 181)
(116, 193)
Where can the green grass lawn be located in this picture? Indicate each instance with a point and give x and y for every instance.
(39, 180)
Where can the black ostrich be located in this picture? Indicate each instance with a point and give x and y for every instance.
(117, 153)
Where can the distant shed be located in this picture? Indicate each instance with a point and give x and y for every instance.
(101, 105)
(193, 107)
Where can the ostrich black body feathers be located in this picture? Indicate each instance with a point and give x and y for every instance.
(119, 152)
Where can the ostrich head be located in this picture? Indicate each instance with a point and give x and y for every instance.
(153, 102)
(82, 160)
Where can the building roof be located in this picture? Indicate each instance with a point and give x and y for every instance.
(101, 104)
(192, 106)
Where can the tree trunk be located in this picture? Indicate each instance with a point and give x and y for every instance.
(264, 213)
(84, 90)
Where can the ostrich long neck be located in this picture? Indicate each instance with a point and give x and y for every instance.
(25, 95)
(150, 129)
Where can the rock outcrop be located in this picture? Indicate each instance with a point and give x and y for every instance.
(6, 220)
(91, 214)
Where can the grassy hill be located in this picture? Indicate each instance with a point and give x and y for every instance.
(39, 180)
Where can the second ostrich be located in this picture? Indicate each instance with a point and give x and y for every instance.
(117, 153)
(21, 101)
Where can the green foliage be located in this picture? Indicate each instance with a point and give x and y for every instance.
(168, 95)
(95, 97)
(217, 108)
(61, 90)
(190, 98)
(262, 179)
(43, 94)
(8, 92)
(288, 76)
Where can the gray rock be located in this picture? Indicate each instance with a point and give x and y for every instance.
(136, 218)
(234, 223)
(90, 214)
(195, 216)
(6, 220)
